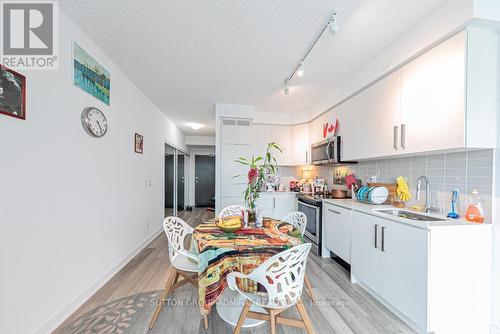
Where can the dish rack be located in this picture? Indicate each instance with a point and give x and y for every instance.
(392, 188)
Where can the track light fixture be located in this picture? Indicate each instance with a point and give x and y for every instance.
(333, 27)
(286, 89)
(300, 71)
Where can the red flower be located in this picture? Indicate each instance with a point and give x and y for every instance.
(252, 175)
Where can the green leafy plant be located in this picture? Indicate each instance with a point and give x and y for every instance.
(260, 166)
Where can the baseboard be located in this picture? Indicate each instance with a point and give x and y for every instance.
(495, 329)
(64, 314)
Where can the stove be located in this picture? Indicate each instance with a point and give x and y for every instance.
(311, 206)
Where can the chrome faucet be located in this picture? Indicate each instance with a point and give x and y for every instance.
(428, 208)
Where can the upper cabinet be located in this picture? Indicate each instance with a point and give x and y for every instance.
(433, 88)
(444, 99)
(263, 134)
(261, 137)
(282, 135)
(300, 144)
(369, 121)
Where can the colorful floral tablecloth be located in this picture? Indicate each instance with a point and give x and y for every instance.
(221, 253)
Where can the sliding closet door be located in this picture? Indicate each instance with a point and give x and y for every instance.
(169, 180)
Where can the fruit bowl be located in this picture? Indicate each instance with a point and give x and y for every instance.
(229, 224)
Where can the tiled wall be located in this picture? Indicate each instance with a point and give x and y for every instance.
(465, 171)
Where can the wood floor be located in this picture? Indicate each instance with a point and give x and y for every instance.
(342, 307)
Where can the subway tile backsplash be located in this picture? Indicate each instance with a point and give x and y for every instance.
(465, 171)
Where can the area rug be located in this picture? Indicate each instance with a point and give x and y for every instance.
(123, 316)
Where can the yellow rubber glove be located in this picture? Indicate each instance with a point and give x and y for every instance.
(402, 190)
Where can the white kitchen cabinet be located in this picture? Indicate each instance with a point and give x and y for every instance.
(444, 99)
(391, 259)
(404, 270)
(261, 137)
(425, 274)
(281, 135)
(277, 204)
(337, 226)
(300, 144)
(370, 121)
(433, 98)
(366, 258)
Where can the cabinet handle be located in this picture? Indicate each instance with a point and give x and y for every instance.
(307, 156)
(403, 136)
(333, 211)
(274, 203)
(376, 236)
(383, 239)
(395, 137)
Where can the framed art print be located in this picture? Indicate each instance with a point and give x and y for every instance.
(89, 75)
(139, 144)
(12, 93)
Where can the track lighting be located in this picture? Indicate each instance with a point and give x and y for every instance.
(286, 89)
(331, 26)
(300, 71)
(334, 27)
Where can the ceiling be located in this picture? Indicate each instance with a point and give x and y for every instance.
(188, 55)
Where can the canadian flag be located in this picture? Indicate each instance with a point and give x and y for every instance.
(329, 130)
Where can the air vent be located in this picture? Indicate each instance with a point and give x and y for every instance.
(228, 122)
(242, 122)
(236, 122)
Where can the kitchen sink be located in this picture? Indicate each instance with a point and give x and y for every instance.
(411, 215)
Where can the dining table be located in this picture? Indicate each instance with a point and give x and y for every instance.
(220, 253)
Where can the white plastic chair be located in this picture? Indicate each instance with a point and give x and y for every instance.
(182, 262)
(282, 276)
(299, 221)
(232, 210)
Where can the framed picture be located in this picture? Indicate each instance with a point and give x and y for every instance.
(139, 143)
(12, 93)
(89, 75)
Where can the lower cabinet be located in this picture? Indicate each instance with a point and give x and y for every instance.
(277, 205)
(337, 225)
(391, 259)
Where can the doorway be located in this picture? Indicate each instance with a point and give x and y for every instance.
(204, 192)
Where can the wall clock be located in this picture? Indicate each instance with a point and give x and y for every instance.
(94, 122)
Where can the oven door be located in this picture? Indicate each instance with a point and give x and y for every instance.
(313, 225)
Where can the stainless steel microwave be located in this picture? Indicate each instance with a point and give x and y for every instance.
(328, 152)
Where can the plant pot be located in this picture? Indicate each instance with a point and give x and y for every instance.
(252, 217)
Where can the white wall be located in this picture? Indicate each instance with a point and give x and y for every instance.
(496, 236)
(73, 207)
(200, 140)
(496, 243)
(193, 151)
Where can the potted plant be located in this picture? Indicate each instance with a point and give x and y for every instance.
(260, 167)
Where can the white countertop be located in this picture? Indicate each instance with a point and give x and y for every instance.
(372, 210)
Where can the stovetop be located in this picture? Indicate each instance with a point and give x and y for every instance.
(313, 199)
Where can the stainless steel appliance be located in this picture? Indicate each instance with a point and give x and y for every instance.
(311, 207)
(328, 152)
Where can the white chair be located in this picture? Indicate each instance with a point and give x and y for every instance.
(232, 210)
(299, 221)
(182, 262)
(282, 276)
